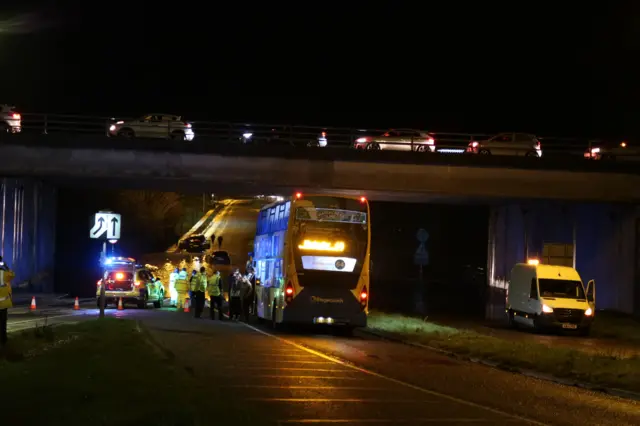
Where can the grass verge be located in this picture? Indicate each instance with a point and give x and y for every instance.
(612, 325)
(100, 372)
(603, 370)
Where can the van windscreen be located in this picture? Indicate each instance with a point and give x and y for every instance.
(564, 289)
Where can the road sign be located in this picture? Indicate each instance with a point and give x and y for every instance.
(422, 235)
(107, 225)
(421, 256)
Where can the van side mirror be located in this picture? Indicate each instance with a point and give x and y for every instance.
(591, 291)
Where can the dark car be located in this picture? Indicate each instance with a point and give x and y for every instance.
(220, 258)
(196, 244)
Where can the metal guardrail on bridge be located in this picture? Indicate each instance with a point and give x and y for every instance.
(312, 136)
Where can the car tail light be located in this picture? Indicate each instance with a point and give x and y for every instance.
(361, 140)
(99, 283)
(324, 134)
(16, 116)
(298, 195)
(363, 199)
(538, 146)
(136, 283)
(474, 144)
(595, 150)
(119, 276)
(187, 125)
(430, 141)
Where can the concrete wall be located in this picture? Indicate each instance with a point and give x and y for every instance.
(605, 239)
(27, 232)
(358, 175)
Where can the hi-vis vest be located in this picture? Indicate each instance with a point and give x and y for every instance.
(6, 300)
(199, 282)
(213, 286)
(181, 283)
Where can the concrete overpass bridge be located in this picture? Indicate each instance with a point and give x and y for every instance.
(380, 175)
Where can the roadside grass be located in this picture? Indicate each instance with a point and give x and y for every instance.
(99, 372)
(612, 325)
(602, 369)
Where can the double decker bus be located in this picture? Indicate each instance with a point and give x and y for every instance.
(311, 256)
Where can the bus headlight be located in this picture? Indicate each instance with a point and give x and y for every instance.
(588, 312)
(547, 309)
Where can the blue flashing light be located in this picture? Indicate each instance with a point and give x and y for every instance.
(108, 261)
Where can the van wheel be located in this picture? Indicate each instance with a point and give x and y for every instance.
(531, 154)
(484, 152)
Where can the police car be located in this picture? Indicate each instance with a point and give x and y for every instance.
(132, 283)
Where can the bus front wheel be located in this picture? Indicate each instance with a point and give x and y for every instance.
(274, 322)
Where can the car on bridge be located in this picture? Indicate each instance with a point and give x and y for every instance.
(283, 136)
(130, 282)
(518, 144)
(600, 150)
(398, 140)
(158, 126)
(11, 120)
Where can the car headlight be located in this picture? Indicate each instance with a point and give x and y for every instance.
(588, 312)
(547, 309)
(112, 128)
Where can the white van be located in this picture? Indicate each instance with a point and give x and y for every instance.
(544, 296)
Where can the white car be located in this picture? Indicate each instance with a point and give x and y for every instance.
(398, 140)
(11, 121)
(162, 126)
(508, 144)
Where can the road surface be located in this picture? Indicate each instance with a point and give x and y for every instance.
(309, 376)
(235, 222)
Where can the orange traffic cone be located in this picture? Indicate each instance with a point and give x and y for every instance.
(186, 305)
(76, 306)
(33, 304)
(120, 307)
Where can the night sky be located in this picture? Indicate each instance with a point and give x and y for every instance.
(539, 67)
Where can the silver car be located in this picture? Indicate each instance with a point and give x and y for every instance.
(154, 126)
(398, 140)
(508, 144)
(11, 121)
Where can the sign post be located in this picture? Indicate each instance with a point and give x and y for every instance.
(106, 227)
(421, 258)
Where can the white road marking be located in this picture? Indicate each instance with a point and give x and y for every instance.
(396, 381)
(40, 319)
(358, 400)
(391, 421)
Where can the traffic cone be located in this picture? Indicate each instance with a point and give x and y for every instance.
(76, 306)
(120, 307)
(186, 305)
(33, 304)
